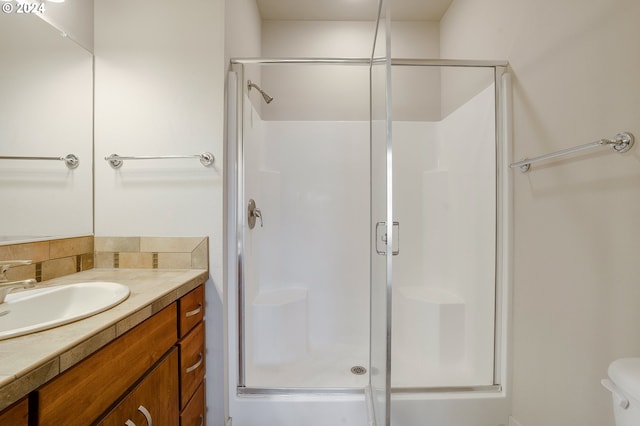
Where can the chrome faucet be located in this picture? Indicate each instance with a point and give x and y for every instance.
(7, 286)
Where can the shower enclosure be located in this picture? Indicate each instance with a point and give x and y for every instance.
(368, 241)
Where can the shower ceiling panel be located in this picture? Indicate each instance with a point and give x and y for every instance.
(351, 10)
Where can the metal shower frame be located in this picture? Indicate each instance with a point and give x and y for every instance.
(236, 215)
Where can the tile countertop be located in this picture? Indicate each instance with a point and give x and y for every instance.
(29, 361)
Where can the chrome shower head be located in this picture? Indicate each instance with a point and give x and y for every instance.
(266, 97)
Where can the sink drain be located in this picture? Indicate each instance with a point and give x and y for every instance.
(359, 370)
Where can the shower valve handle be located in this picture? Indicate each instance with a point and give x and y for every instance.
(253, 213)
(257, 213)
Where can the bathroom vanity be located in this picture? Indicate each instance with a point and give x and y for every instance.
(142, 361)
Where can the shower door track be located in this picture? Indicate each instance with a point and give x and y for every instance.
(448, 389)
(367, 61)
(284, 391)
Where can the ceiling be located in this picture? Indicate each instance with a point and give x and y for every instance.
(351, 10)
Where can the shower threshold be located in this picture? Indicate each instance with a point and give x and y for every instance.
(448, 389)
(283, 391)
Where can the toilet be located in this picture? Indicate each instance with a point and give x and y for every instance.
(624, 384)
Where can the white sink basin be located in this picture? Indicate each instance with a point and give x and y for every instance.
(43, 308)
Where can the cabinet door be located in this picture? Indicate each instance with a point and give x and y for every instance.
(154, 401)
(16, 415)
(192, 364)
(194, 413)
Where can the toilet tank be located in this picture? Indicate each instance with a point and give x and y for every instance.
(624, 384)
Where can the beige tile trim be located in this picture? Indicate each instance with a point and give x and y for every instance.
(152, 252)
(61, 257)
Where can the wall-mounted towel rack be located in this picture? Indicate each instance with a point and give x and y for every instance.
(115, 160)
(70, 160)
(621, 143)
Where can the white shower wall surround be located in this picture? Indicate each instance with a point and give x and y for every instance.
(310, 261)
(444, 278)
(307, 270)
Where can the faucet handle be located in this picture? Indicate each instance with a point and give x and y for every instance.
(6, 264)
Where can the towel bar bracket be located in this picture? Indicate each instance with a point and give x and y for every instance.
(623, 142)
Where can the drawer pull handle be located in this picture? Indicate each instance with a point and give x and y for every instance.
(196, 365)
(201, 420)
(146, 414)
(196, 311)
(129, 423)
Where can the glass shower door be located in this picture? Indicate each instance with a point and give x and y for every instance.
(381, 226)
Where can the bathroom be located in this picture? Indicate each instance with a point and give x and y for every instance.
(161, 88)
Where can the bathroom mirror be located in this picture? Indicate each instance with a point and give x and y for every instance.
(46, 110)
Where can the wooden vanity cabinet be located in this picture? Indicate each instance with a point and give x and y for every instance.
(192, 358)
(16, 415)
(152, 374)
(153, 401)
(81, 394)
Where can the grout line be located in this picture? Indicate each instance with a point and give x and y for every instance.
(38, 272)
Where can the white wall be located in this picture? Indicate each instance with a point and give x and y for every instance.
(243, 37)
(416, 90)
(317, 93)
(242, 29)
(74, 18)
(157, 93)
(576, 297)
(159, 89)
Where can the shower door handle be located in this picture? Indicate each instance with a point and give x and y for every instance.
(252, 213)
(381, 239)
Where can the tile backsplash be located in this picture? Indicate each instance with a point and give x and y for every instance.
(50, 259)
(60, 257)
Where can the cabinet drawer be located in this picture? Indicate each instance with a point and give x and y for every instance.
(16, 415)
(153, 401)
(193, 414)
(192, 363)
(83, 393)
(191, 310)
